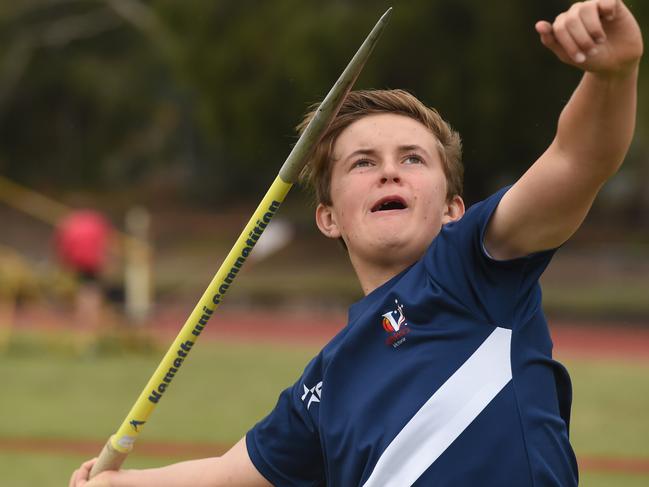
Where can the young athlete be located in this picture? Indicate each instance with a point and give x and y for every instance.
(444, 374)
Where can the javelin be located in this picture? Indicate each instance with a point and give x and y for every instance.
(121, 443)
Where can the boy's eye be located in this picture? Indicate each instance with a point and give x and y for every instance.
(413, 159)
(361, 163)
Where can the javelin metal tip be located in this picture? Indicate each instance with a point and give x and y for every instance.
(329, 107)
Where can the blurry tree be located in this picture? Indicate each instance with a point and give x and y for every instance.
(204, 94)
(84, 98)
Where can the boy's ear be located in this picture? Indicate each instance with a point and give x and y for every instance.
(454, 210)
(326, 221)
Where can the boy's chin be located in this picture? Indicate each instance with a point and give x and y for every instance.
(399, 250)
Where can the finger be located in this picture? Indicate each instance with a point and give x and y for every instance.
(96, 482)
(590, 17)
(73, 479)
(87, 466)
(545, 32)
(80, 476)
(101, 480)
(543, 27)
(565, 39)
(577, 30)
(548, 40)
(608, 8)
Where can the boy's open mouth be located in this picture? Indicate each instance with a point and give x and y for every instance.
(390, 203)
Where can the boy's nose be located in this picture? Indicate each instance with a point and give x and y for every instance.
(390, 172)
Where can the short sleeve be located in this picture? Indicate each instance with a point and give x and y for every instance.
(500, 291)
(285, 445)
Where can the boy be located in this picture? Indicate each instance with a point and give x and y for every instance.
(444, 374)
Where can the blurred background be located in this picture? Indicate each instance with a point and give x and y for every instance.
(169, 120)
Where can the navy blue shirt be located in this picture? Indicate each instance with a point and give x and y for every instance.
(443, 377)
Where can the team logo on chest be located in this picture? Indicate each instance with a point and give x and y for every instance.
(394, 323)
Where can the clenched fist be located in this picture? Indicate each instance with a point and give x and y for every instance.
(599, 36)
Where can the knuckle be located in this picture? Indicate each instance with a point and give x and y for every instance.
(575, 7)
(568, 45)
(587, 10)
(571, 21)
(587, 44)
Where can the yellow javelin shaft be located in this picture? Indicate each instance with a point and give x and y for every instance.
(197, 320)
(121, 443)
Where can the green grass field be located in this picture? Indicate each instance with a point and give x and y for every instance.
(224, 388)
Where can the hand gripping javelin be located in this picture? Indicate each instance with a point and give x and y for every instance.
(121, 443)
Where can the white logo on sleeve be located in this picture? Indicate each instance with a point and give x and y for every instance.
(314, 393)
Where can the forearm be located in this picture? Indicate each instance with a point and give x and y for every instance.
(233, 469)
(549, 202)
(596, 126)
(200, 473)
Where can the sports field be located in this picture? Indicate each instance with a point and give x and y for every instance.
(58, 408)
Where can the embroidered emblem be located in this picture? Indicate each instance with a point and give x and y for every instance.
(394, 323)
(314, 393)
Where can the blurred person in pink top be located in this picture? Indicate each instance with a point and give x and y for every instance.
(82, 241)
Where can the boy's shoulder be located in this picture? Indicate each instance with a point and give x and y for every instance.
(480, 211)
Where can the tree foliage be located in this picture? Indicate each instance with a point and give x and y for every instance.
(204, 94)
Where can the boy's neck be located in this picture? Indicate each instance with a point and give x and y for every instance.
(374, 276)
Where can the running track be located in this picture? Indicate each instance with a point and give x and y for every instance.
(572, 340)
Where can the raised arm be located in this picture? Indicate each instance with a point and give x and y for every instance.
(549, 202)
(234, 469)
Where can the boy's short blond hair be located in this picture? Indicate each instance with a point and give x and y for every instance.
(359, 104)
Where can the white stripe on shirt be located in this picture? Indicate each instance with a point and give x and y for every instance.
(446, 414)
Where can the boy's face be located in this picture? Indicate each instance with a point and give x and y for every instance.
(388, 191)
